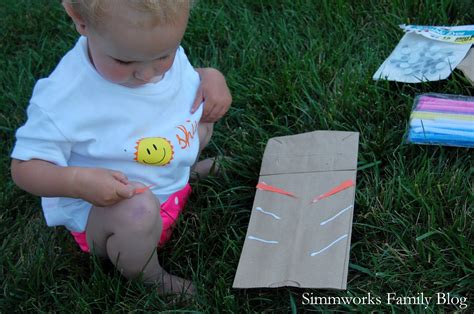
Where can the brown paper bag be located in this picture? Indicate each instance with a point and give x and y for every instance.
(285, 231)
(467, 66)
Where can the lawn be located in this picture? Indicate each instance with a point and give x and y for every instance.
(293, 66)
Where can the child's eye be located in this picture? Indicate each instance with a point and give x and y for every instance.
(123, 62)
(164, 57)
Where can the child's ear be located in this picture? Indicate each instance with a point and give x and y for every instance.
(76, 18)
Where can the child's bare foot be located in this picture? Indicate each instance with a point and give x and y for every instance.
(202, 169)
(169, 284)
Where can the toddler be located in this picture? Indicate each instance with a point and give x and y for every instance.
(113, 132)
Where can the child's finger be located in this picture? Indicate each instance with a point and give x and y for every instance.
(120, 176)
(209, 109)
(211, 115)
(125, 191)
(197, 100)
(219, 114)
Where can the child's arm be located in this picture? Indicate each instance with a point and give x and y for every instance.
(101, 187)
(215, 94)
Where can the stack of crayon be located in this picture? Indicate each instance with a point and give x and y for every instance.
(442, 119)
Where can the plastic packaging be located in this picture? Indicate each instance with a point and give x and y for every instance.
(442, 119)
(426, 53)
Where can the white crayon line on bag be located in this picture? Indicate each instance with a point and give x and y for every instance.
(262, 240)
(331, 244)
(260, 209)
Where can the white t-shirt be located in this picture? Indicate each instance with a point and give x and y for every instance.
(77, 118)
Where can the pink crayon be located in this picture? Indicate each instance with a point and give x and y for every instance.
(142, 190)
(425, 100)
(444, 108)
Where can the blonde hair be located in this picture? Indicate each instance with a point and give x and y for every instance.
(163, 11)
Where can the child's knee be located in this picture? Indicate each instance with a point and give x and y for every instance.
(142, 212)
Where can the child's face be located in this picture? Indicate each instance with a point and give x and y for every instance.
(132, 55)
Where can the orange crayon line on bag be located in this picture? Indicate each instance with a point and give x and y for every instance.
(344, 185)
(266, 187)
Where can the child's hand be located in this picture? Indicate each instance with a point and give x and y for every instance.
(215, 94)
(101, 187)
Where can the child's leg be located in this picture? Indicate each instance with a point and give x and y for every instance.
(202, 168)
(205, 131)
(127, 233)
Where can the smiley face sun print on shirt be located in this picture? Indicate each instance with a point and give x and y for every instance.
(155, 151)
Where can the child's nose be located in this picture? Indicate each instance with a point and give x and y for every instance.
(146, 74)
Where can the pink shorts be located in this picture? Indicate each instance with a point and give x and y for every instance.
(169, 213)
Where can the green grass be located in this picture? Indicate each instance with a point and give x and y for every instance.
(293, 66)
